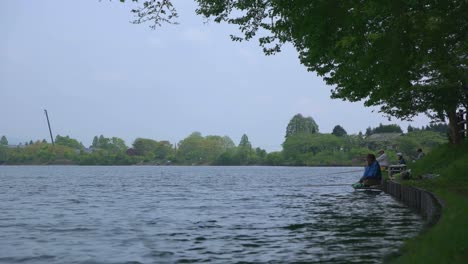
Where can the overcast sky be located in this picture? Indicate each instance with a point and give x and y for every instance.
(96, 73)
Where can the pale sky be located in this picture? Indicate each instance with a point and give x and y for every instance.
(96, 73)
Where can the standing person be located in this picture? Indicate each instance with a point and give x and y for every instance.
(383, 159)
(420, 154)
(372, 174)
(401, 160)
(461, 123)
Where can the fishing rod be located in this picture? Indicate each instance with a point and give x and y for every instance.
(341, 172)
(327, 185)
(331, 185)
(335, 173)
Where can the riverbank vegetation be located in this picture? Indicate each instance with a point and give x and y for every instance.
(303, 145)
(444, 172)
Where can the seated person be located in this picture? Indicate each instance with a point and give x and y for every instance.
(420, 154)
(372, 173)
(401, 160)
(383, 159)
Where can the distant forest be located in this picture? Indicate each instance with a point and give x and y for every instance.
(304, 145)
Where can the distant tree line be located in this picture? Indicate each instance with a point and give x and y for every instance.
(303, 145)
(384, 129)
(435, 127)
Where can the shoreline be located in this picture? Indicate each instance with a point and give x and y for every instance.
(420, 200)
(186, 165)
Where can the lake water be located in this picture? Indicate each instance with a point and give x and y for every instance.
(146, 214)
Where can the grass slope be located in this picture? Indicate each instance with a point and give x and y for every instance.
(447, 241)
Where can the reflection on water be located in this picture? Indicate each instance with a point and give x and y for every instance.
(67, 214)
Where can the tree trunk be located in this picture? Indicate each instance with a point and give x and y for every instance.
(455, 136)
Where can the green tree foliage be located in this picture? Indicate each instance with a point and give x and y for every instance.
(228, 143)
(299, 124)
(439, 127)
(427, 140)
(392, 128)
(117, 144)
(296, 148)
(322, 149)
(113, 144)
(103, 142)
(3, 141)
(244, 150)
(154, 11)
(68, 142)
(261, 153)
(245, 143)
(229, 157)
(42, 153)
(407, 146)
(191, 150)
(339, 131)
(301, 149)
(214, 146)
(64, 152)
(3, 154)
(145, 146)
(243, 154)
(152, 150)
(95, 142)
(164, 150)
(105, 157)
(435, 127)
(353, 141)
(274, 159)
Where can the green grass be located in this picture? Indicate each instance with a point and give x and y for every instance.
(447, 241)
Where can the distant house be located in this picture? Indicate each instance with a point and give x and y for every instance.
(88, 150)
(383, 139)
(131, 152)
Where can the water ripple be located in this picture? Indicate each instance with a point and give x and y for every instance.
(67, 214)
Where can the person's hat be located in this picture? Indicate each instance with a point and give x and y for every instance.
(399, 154)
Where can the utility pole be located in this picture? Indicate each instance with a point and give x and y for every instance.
(50, 130)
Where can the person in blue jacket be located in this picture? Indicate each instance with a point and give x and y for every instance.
(372, 174)
(401, 160)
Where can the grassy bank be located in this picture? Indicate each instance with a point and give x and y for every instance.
(447, 241)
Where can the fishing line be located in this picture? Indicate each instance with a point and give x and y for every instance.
(335, 173)
(327, 185)
(345, 172)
